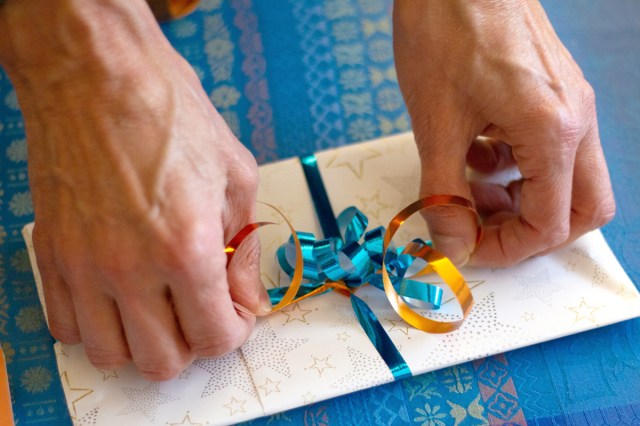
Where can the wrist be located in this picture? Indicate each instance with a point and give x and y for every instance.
(50, 42)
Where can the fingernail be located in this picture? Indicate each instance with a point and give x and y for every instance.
(265, 303)
(455, 248)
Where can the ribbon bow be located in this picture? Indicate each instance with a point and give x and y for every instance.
(346, 263)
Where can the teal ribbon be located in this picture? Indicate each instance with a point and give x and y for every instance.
(350, 254)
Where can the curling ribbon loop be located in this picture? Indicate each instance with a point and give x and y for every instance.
(349, 257)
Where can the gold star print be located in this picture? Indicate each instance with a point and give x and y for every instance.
(308, 398)
(321, 364)
(399, 325)
(373, 205)
(528, 316)
(286, 212)
(74, 394)
(108, 374)
(343, 336)
(60, 351)
(270, 386)
(584, 311)
(356, 162)
(295, 313)
(395, 147)
(235, 406)
(472, 284)
(184, 421)
(266, 279)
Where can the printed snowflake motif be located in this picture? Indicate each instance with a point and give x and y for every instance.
(36, 380)
(20, 261)
(9, 352)
(17, 150)
(265, 349)
(336, 9)
(184, 28)
(349, 54)
(389, 99)
(20, 204)
(11, 101)
(30, 319)
(430, 416)
(345, 31)
(226, 371)
(458, 379)
(380, 50)
(362, 129)
(210, 5)
(225, 97)
(353, 79)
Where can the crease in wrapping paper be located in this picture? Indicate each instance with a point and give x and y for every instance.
(6, 413)
(315, 350)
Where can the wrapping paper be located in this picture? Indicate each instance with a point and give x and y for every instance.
(316, 349)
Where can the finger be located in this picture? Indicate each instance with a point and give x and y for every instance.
(592, 204)
(101, 328)
(546, 159)
(243, 273)
(60, 311)
(491, 198)
(443, 149)
(245, 286)
(206, 313)
(201, 298)
(155, 340)
(488, 155)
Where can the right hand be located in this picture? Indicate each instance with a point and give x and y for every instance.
(137, 183)
(498, 70)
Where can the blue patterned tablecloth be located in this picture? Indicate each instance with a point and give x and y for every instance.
(294, 76)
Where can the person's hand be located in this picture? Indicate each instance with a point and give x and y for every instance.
(137, 183)
(497, 69)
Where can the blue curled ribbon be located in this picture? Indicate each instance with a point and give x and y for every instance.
(351, 255)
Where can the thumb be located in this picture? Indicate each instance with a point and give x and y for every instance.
(243, 275)
(443, 153)
(243, 272)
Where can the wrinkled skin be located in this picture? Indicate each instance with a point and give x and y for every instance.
(137, 182)
(497, 69)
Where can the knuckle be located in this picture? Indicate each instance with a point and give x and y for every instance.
(160, 370)
(106, 358)
(556, 235)
(565, 125)
(64, 332)
(187, 250)
(602, 214)
(219, 344)
(245, 173)
(588, 94)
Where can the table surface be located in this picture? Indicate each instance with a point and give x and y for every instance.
(294, 76)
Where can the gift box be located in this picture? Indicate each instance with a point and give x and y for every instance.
(317, 349)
